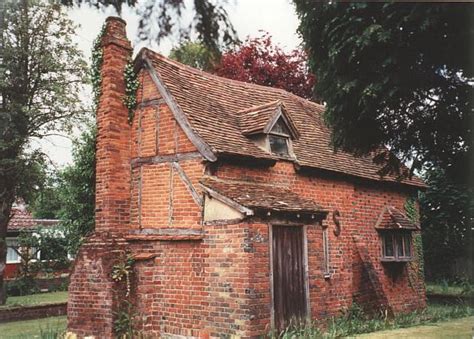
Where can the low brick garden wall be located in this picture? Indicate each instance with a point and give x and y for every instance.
(32, 312)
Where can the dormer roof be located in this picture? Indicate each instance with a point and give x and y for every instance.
(391, 218)
(262, 118)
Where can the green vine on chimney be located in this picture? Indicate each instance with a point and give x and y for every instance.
(131, 86)
(97, 60)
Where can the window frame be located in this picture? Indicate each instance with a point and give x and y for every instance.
(282, 135)
(12, 243)
(326, 254)
(399, 241)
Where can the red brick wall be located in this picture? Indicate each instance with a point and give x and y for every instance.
(93, 295)
(359, 203)
(216, 287)
(168, 288)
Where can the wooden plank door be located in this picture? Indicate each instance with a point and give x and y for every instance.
(288, 271)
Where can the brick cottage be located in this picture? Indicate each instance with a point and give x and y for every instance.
(238, 214)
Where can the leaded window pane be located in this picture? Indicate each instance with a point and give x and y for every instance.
(280, 128)
(278, 145)
(407, 243)
(398, 240)
(388, 245)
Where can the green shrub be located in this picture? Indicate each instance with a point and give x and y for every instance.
(21, 286)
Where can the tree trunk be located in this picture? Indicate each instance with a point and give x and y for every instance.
(5, 210)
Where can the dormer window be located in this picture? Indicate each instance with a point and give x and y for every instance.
(278, 145)
(279, 139)
(270, 127)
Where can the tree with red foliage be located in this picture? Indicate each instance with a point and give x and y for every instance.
(261, 62)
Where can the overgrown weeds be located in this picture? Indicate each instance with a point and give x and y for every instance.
(356, 321)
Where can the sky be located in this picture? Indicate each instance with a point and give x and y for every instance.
(249, 18)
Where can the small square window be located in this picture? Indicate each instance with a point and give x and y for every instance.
(278, 144)
(396, 246)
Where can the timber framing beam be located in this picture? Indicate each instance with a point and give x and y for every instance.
(187, 182)
(161, 159)
(150, 103)
(178, 114)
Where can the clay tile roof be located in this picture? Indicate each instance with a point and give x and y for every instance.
(392, 218)
(256, 196)
(23, 220)
(218, 111)
(255, 118)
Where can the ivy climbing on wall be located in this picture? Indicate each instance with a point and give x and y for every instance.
(131, 86)
(416, 266)
(96, 67)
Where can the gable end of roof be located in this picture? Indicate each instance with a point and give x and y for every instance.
(143, 61)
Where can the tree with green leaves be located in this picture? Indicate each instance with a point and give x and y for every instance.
(195, 54)
(45, 202)
(397, 80)
(41, 75)
(397, 75)
(447, 220)
(77, 191)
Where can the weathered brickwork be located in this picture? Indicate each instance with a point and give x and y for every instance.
(113, 135)
(93, 294)
(213, 278)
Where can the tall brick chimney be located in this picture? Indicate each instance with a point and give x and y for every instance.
(113, 138)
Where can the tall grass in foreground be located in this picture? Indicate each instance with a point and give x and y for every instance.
(356, 321)
(50, 331)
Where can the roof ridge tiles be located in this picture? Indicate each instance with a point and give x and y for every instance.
(161, 57)
(258, 107)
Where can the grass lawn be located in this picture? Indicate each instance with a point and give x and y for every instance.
(38, 328)
(438, 288)
(459, 328)
(36, 299)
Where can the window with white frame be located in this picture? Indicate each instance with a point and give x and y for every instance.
(12, 255)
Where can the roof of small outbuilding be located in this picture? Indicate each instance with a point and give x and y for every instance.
(259, 196)
(23, 220)
(214, 106)
(392, 218)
